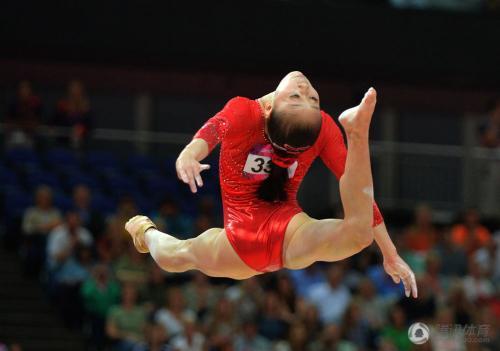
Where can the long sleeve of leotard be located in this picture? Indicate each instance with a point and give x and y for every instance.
(217, 127)
(334, 154)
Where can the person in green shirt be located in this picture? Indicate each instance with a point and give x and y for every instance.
(397, 331)
(99, 293)
(126, 323)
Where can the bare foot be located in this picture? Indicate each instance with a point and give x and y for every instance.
(356, 120)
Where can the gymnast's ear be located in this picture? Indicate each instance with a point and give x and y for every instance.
(268, 109)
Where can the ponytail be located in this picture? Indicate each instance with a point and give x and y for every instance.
(272, 189)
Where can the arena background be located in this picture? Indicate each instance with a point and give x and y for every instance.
(149, 74)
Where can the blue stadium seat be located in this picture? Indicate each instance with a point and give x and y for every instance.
(104, 204)
(99, 160)
(22, 157)
(72, 177)
(140, 163)
(62, 201)
(8, 179)
(61, 158)
(36, 178)
(15, 201)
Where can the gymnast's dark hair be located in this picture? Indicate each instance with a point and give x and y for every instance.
(286, 128)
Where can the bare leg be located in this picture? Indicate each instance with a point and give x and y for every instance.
(210, 252)
(308, 240)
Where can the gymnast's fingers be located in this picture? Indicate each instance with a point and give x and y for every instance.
(204, 167)
(198, 179)
(183, 176)
(407, 284)
(191, 182)
(414, 288)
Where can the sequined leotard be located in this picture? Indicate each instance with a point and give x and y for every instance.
(256, 228)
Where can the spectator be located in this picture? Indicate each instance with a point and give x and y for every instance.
(274, 320)
(476, 285)
(222, 324)
(331, 297)
(373, 307)
(156, 288)
(397, 331)
(489, 131)
(126, 323)
(74, 112)
(116, 233)
(38, 221)
(488, 258)
(99, 292)
(463, 308)
(248, 339)
(445, 337)
(421, 235)
(247, 295)
(64, 239)
(23, 117)
(169, 219)
(132, 267)
(286, 291)
(453, 256)
(355, 327)
(331, 339)
(90, 218)
(200, 296)
(471, 234)
(67, 281)
(309, 315)
(303, 279)
(170, 316)
(190, 339)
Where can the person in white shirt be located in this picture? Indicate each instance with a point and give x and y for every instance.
(331, 297)
(64, 238)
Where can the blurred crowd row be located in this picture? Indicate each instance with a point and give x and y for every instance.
(122, 301)
(26, 113)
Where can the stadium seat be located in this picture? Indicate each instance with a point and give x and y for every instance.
(35, 178)
(140, 163)
(104, 204)
(99, 160)
(22, 157)
(61, 158)
(8, 179)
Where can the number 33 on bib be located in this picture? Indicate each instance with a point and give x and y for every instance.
(258, 164)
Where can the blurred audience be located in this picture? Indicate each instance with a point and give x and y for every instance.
(37, 222)
(169, 219)
(421, 235)
(331, 297)
(90, 218)
(126, 323)
(470, 234)
(99, 293)
(489, 130)
(73, 111)
(24, 117)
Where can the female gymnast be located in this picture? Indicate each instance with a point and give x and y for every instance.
(267, 146)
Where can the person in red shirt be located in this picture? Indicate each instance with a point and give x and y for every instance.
(267, 147)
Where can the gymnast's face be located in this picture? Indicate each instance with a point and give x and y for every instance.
(295, 92)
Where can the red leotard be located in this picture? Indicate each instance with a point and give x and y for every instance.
(256, 228)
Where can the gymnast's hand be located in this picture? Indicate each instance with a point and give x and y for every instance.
(399, 270)
(189, 169)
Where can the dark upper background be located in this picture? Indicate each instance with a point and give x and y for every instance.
(352, 41)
